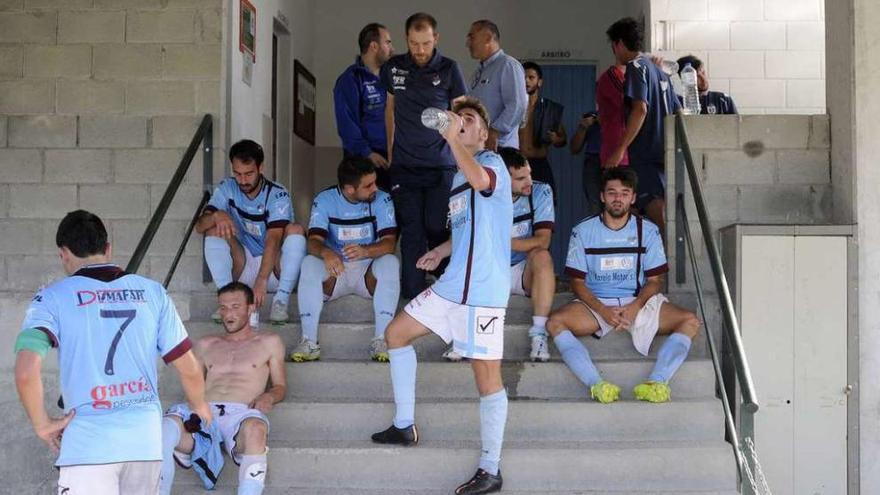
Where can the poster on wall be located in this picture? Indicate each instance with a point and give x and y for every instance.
(303, 103)
(247, 32)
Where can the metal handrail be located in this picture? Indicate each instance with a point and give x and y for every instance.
(206, 196)
(713, 349)
(731, 325)
(203, 133)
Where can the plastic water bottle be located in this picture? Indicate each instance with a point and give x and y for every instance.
(691, 95)
(435, 118)
(255, 320)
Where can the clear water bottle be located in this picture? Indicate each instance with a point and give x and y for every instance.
(435, 118)
(691, 94)
(255, 319)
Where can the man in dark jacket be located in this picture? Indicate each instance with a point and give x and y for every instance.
(359, 101)
(422, 165)
(543, 126)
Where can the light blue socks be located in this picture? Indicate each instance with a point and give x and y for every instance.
(310, 296)
(218, 256)
(403, 380)
(293, 249)
(577, 358)
(672, 353)
(170, 439)
(493, 417)
(386, 269)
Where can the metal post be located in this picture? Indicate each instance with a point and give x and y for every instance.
(680, 265)
(207, 184)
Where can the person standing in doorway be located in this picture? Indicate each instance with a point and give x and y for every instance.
(359, 102)
(543, 126)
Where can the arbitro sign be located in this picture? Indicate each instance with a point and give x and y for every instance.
(555, 54)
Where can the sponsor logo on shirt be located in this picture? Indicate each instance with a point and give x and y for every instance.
(353, 233)
(253, 229)
(110, 296)
(123, 394)
(520, 230)
(616, 263)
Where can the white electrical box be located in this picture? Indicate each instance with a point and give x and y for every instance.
(791, 292)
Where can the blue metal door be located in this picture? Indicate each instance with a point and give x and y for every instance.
(574, 86)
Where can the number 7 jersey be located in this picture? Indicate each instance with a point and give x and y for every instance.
(109, 327)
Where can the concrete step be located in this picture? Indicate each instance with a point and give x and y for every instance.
(533, 422)
(369, 381)
(354, 309)
(601, 467)
(231, 490)
(352, 341)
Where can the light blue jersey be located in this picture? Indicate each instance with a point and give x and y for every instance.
(341, 222)
(531, 213)
(615, 263)
(253, 217)
(109, 327)
(479, 273)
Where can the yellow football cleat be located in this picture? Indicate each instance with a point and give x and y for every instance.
(653, 392)
(605, 392)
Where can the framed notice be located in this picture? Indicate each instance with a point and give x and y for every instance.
(303, 102)
(247, 32)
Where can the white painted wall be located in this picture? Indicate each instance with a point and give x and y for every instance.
(251, 104)
(768, 54)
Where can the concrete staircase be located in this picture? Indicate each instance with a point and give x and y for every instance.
(556, 440)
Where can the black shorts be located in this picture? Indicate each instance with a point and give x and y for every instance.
(652, 183)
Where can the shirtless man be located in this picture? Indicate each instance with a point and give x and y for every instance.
(543, 127)
(238, 367)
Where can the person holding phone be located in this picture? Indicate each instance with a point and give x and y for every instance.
(542, 127)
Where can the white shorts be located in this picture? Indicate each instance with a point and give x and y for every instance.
(252, 269)
(647, 320)
(118, 478)
(517, 285)
(229, 417)
(476, 332)
(352, 280)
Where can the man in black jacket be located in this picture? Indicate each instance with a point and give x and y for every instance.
(543, 126)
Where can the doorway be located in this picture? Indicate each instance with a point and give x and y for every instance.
(573, 86)
(281, 128)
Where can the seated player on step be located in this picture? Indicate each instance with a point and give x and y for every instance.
(250, 234)
(616, 261)
(352, 236)
(238, 367)
(466, 306)
(531, 267)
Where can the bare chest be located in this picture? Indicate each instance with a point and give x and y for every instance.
(235, 357)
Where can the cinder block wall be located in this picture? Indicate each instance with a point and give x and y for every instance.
(768, 54)
(784, 179)
(98, 99)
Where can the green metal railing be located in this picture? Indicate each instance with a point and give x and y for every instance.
(203, 137)
(742, 440)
